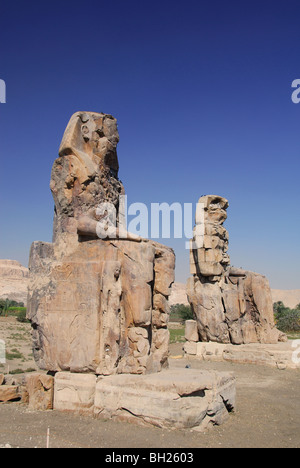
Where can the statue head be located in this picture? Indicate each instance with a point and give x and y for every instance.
(214, 208)
(85, 176)
(92, 135)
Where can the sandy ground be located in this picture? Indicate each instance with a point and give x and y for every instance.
(267, 413)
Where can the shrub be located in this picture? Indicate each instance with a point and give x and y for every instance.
(7, 306)
(287, 320)
(14, 354)
(181, 313)
(21, 317)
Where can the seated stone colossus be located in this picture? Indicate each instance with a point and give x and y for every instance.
(98, 295)
(230, 305)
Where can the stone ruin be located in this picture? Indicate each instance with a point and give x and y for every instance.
(98, 302)
(230, 305)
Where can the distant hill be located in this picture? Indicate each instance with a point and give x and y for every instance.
(13, 281)
(290, 298)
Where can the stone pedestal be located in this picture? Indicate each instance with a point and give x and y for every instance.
(280, 355)
(171, 399)
(74, 392)
(103, 308)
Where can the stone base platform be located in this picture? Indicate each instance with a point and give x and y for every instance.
(179, 398)
(281, 355)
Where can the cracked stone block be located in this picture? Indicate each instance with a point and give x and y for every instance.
(171, 399)
(74, 392)
(39, 388)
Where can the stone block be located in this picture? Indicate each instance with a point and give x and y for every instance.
(211, 351)
(191, 330)
(40, 390)
(74, 392)
(9, 393)
(190, 347)
(280, 355)
(171, 399)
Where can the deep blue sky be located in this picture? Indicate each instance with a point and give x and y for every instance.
(202, 94)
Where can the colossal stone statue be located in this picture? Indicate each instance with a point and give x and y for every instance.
(230, 305)
(98, 295)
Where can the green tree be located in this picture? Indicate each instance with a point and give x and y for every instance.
(279, 307)
(6, 304)
(287, 320)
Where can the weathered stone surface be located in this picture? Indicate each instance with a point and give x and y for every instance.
(231, 305)
(2, 378)
(92, 325)
(178, 294)
(13, 379)
(74, 392)
(40, 391)
(9, 393)
(190, 347)
(13, 281)
(191, 330)
(280, 355)
(170, 399)
(86, 173)
(97, 304)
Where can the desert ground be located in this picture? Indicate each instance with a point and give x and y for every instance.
(267, 412)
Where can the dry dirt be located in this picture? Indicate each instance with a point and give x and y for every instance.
(267, 415)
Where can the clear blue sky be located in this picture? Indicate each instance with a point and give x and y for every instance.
(202, 94)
